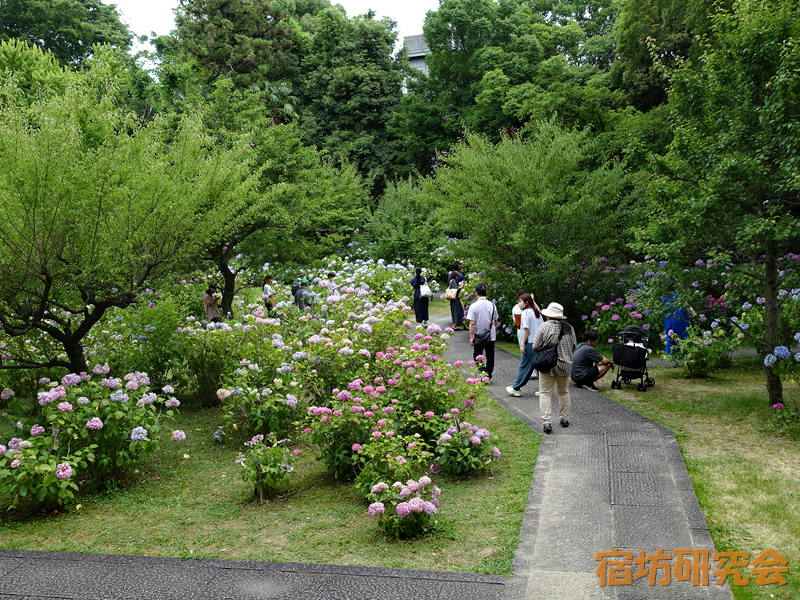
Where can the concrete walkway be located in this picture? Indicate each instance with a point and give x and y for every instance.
(613, 479)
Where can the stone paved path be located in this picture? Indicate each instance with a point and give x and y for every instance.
(612, 479)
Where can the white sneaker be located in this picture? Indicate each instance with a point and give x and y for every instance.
(513, 392)
(537, 393)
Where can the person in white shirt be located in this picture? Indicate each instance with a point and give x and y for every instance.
(268, 294)
(530, 319)
(483, 322)
(331, 284)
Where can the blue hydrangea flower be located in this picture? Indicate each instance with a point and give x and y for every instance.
(782, 352)
(769, 360)
(138, 434)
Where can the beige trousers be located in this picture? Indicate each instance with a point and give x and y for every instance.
(546, 385)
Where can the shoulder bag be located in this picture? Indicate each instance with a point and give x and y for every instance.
(425, 291)
(547, 358)
(451, 293)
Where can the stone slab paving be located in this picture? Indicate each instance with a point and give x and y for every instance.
(612, 479)
(28, 574)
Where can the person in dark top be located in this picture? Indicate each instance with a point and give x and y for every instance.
(587, 364)
(303, 297)
(420, 303)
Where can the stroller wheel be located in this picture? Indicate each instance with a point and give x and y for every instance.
(650, 382)
(613, 385)
(641, 387)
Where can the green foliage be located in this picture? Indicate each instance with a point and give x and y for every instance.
(403, 226)
(731, 168)
(258, 397)
(69, 29)
(673, 25)
(34, 70)
(467, 450)
(495, 66)
(540, 206)
(351, 89)
(30, 476)
(97, 205)
(704, 350)
(247, 42)
(266, 464)
(389, 457)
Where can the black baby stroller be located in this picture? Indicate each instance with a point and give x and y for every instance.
(630, 356)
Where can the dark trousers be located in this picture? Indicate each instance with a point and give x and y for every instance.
(488, 355)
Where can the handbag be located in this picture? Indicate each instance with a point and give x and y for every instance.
(425, 291)
(451, 294)
(547, 358)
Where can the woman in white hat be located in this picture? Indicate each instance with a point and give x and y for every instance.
(555, 331)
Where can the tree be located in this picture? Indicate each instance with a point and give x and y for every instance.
(249, 41)
(673, 24)
(403, 226)
(96, 207)
(68, 28)
(34, 70)
(732, 166)
(303, 209)
(540, 206)
(352, 86)
(495, 66)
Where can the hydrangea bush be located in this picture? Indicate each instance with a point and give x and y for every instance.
(267, 464)
(465, 449)
(405, 509)
(389, 456)
(32, 473)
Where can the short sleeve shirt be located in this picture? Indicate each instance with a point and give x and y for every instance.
(483, 313)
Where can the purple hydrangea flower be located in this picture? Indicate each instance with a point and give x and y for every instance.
(403, 509)
(37, 430)
(376, 508)
(63, 471)
(178, 435)
(94, 423)
(71, 379)
(138, 434)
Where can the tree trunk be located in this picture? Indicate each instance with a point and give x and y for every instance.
(74, 350)
(228, 289)
(774, 385)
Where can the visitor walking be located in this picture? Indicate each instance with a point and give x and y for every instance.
(483, 322)
(556, 331)
(530, 320)
(420, 302)
(210, 305)
(456, 307)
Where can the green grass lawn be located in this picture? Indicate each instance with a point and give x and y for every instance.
(744, 470)
(189, 501)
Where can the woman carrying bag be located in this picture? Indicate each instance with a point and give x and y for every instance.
(453, 294)
(555, 332)
(420, 299)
